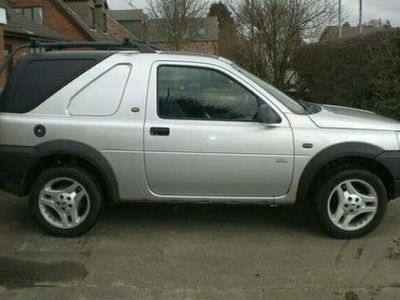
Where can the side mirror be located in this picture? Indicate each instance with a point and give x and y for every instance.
(267, 115)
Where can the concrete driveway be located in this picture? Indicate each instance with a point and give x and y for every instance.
(163, 251)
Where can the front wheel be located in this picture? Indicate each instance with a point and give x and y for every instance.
(351, 203)
(66, 201)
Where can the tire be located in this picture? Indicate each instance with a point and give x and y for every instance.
(345, 203)
(66, 201)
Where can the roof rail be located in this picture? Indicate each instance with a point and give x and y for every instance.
(50, 45)
(124, 45)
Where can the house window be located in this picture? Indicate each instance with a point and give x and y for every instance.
(104, 22)
(34, 13)
(92, 20)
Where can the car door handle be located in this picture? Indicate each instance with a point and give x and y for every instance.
(159, 131)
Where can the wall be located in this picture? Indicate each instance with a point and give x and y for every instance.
(203, 47)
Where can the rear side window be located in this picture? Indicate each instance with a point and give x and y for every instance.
(40, 79)
(102, 96)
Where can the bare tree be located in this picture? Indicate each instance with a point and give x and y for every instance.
(176, 20)
(271, 30)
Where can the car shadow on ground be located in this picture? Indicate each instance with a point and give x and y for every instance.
(208, 216)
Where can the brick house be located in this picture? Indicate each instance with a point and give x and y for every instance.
(18, 31)
(331, 33)
(135, 20)
(202, 36)
(78, 20)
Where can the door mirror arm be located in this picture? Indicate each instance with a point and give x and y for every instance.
(267, 115)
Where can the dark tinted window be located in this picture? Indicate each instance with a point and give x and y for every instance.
(37, 80)
(201, 93)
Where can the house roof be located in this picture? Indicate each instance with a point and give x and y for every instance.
(332, 32)
(121, 27)
(95, 35)
(200, 29)
(21, 25)
(127, 14)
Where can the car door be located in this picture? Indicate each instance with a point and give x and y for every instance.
(201, 136)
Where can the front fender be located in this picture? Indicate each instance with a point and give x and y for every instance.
(331, 154)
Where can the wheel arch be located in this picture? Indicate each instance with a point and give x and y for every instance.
(61, 152)
(342, 155)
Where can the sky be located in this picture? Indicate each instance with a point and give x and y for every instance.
(373, 9)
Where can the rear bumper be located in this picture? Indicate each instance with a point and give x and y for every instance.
(391, 161)
(15, 162)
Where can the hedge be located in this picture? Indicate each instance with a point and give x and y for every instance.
(361, 72)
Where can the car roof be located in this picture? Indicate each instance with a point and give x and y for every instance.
(187, 53)
(76, 54)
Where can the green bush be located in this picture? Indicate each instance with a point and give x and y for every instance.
(362, 72)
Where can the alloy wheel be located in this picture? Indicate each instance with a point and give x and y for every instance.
(352, 204)
(64, 203)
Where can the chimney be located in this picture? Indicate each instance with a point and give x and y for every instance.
(100, 14)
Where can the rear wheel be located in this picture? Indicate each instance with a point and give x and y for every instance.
(66, 201)
(351, 203)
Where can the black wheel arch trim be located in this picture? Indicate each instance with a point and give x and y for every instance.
(86, 153)
(347, 150)
(19, 162)
(391, 160)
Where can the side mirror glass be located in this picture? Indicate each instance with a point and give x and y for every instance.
(267, 115)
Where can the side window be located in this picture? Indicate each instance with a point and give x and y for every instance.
(201, 93)
(37, 80)
(101, 97)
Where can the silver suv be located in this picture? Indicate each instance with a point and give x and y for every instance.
(79, 129)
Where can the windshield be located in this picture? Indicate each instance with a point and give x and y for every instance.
(284, 99)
